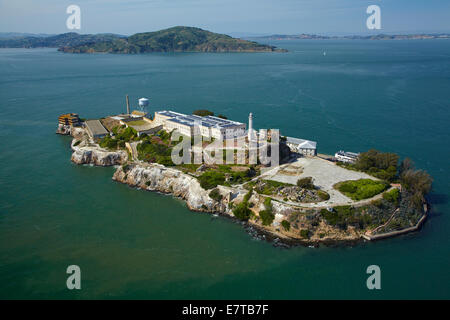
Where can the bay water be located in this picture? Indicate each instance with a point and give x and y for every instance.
(389, 95)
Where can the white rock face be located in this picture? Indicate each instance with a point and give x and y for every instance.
(97, 156)
(156, 177)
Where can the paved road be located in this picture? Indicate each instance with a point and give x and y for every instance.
(325, 174)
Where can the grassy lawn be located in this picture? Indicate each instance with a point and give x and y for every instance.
(361, 189)
(137, 123)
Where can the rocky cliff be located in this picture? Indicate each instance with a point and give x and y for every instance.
(94, 155)
(155, 177)
(86, 151)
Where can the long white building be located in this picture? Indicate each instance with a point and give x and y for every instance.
(208, 126)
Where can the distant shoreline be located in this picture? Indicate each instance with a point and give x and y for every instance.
(354, 37)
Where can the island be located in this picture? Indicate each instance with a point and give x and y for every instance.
(176, 39)
(308, 198)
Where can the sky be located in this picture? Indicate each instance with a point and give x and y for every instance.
(235, 17)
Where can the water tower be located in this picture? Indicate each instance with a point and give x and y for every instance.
(143, 104)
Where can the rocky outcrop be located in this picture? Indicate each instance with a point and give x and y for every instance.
(64, 130)
(83, 153)
(155, 177)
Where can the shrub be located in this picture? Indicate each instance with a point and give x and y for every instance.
(305, 183)
(392, 196)
(248, 195)
(203, 113)
(304, 233)
(108, 143)
(268, 204)
(266, 217)
(215, 195)
(211, 179)
(77, 143)
(286, 225)
(241, 211)
(362, 188)
(323, 195)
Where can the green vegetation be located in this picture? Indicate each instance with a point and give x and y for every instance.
(211, 179)
(137, 123)
(77, 143)
(60, 40)
(343, 216)
(378, 164)
(269, 187)
(267, 215)
(215, 195)
(176, 39)
(416, 182)
(362, 188)
(225, 175)
(304, 233)
(203, 113)
(392, 196)
(156, 149)
(305, 183)
(323, 195)
(242, 211)
(222, 116)
(121, 135)
(286, 225)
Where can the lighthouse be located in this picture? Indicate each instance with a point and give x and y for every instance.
(250, 127)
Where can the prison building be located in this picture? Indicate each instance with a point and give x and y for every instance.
(208, 126)
(95, 129)
(69, 119)
(302, 146)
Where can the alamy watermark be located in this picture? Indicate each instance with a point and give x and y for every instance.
(374, 20)
(74, 20)
(74, 280)
(374, 280)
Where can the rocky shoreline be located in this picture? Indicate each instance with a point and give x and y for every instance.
(168, 180)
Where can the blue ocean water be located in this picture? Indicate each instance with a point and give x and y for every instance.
(389, 95)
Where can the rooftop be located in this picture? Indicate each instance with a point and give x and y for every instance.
(302, 143)
(96, 127)
(191, 120)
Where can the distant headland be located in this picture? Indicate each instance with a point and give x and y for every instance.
(176, 39)
(305, 36)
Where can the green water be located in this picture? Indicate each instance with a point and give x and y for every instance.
(390, 95)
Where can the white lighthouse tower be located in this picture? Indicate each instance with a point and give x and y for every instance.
(251, 135)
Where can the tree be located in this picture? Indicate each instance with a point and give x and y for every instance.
(305, 183)
(203, 113)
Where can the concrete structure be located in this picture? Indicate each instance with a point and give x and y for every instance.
(348, 157)
(138, 113)
(301, 146)
(95, 129)
(208, 126)
(141, 125)
(69, 119)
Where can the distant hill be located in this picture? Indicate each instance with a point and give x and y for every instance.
(305, 36)
(176, 39)
(56, 41)
(9, 35)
